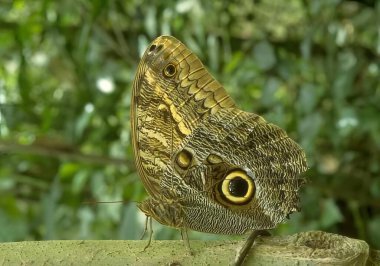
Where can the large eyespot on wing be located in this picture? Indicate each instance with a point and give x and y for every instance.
(236, 188)
(172, 93)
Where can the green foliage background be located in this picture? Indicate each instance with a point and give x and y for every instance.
(66, 70)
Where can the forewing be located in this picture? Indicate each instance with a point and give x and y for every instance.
(172, 93)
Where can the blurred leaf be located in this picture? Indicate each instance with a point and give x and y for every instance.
(83, 120)
(68, 170)
(129, 223)
(308, 98)
(86, 218)
(12, 229)
(268, 98)
(373, 231)
(234, 63)
(330, 213)
(79, 181)
(264, 55)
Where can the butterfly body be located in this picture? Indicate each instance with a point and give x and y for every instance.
(207, 165)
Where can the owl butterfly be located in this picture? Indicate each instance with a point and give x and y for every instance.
(207, 165)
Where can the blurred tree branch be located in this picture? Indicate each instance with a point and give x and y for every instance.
(12, 147)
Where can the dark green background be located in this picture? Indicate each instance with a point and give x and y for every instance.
(311, 67)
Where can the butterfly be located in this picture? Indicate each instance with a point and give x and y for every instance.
(207, 165)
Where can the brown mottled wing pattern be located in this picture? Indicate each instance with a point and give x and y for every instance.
(172, 94)
(246, 141)
(207, 165)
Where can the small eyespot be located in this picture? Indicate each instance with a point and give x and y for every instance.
(152, 47)
(164, 113)
(184, 159)
(159, 47)
(237, 187)
(170, 70)
(214, 159)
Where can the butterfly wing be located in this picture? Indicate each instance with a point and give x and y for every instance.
(172, 94)
(245, 174)
(208, 165)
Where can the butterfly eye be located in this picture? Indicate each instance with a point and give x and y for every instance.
(237, 187)
(184, 159)
(170, 70)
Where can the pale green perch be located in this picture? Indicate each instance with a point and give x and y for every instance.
(309, 248)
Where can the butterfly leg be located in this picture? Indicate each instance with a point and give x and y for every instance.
(240, 256)
(150, 231)
(146, 227)
(185, 238)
